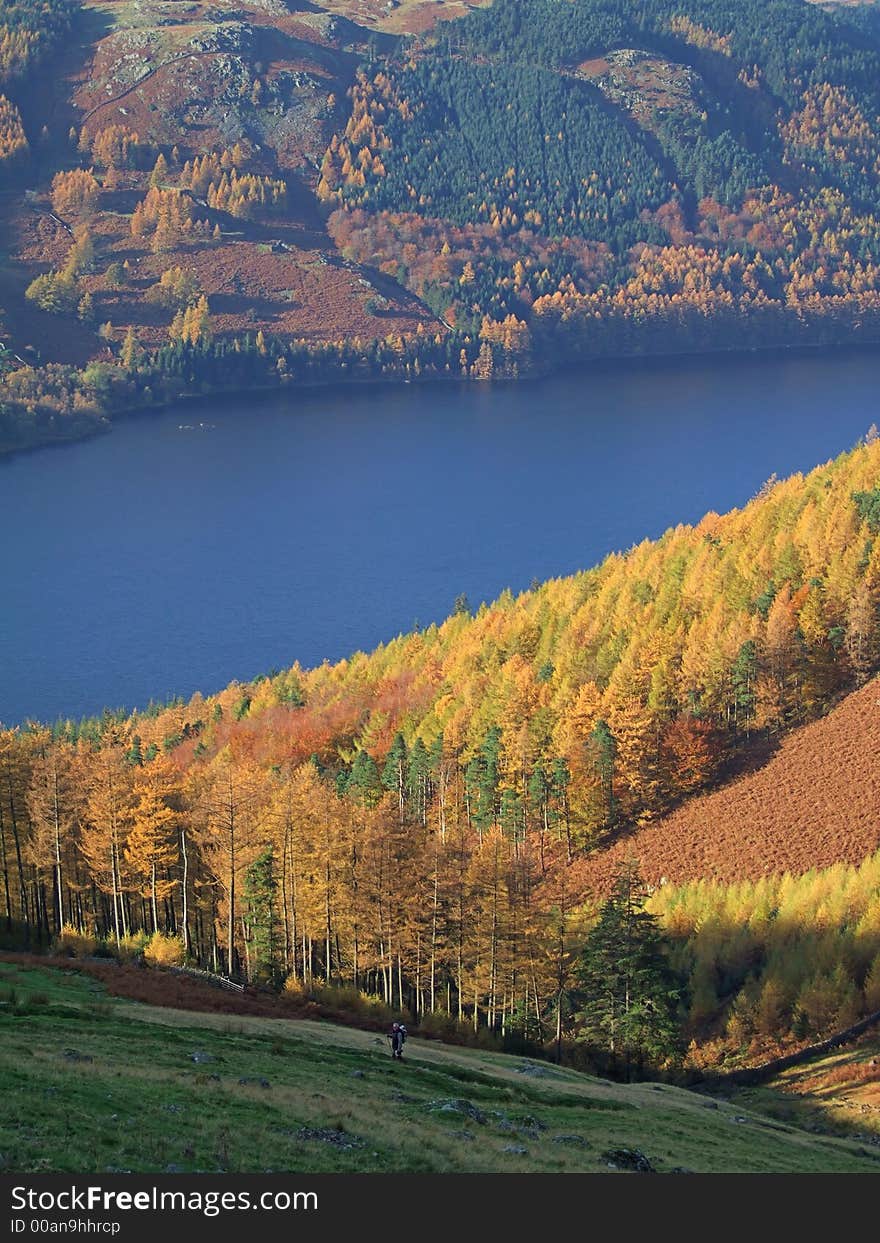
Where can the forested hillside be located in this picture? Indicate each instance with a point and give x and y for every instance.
(721, 160)
(30, 30)
(419, 821)
(525, 186)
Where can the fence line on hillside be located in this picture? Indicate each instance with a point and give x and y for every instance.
(220, 981)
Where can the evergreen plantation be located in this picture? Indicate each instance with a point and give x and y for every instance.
(405, 822)
(711, 169)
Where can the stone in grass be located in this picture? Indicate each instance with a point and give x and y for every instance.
(632, 1159)
(537, 1072)
(528, 1122)
(456, 1106)
(514, 1150)
(521, 1122)
(325, 1135)
(200, 1057)
(467, 1136)
(576, 1141)
(74, 1055)
(357, 1074)
(254, 1081)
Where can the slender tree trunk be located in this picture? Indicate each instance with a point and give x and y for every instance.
(327, 927)
(184, 890)
(22, 888)
(113, 883)
(7, 895)
(418, 1002)
(153, 896)
(230, 927)
(285, 863)
(56, 824)
(434, 905)
(245, 940)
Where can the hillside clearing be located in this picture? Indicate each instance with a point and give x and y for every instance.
(813, 804)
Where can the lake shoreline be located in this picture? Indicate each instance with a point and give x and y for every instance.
(534, 375)
(157, 562)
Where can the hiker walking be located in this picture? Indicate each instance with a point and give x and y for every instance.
(398, 1039)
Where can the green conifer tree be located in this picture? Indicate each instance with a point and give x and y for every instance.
(630, 993)
(260, 894)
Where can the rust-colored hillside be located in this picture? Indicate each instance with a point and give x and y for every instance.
(815, 803)
(199, 78)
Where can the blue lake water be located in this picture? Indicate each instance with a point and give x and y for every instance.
(157, 560)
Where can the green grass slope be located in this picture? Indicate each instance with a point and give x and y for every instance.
(88, 1084)
(838, 1094)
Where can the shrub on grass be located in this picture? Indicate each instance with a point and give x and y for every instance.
(164, 951)
(130, 947)
(343, 1001)
(74, 944)
(439, 1026)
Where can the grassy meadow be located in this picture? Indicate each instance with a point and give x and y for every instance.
(90, 1083)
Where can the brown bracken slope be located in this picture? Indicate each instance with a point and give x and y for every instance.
(815, 803)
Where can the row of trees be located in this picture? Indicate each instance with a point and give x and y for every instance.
(55, 401)
(370, 887)
(273, 873)
(779, 269)
(218, 178)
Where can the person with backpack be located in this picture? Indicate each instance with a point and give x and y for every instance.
(398, 1040)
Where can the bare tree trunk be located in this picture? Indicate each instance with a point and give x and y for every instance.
(113, 884)
(230, 925)
(434, 905)
(22, 888)
(56, 817)
(7, 894)
(284, 907)
(327, 926)
(153, 896)
(184, 897)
